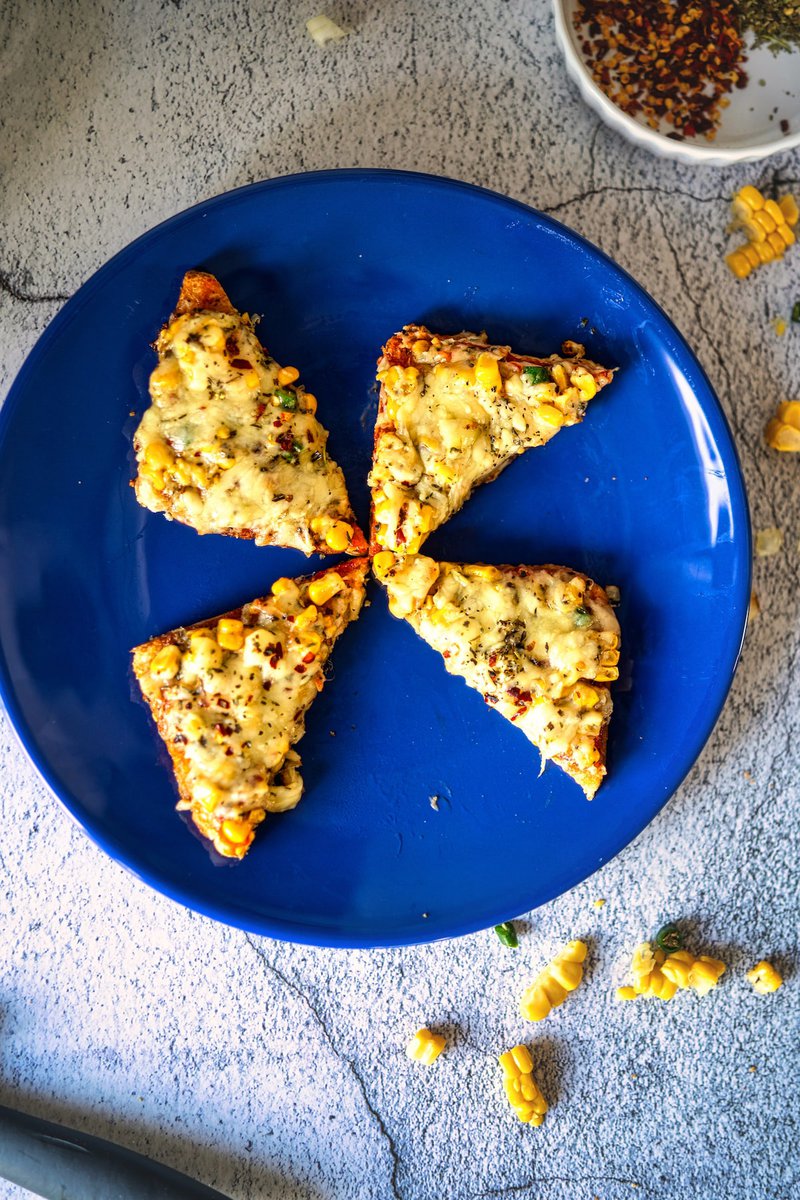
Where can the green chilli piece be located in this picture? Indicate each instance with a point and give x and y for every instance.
(669, 939)
(796, 312)
(507, 934)
(582, 617)
(286, 399)
(537, 374)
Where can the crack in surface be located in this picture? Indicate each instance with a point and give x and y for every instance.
(309, 1004)
(540, 1179)
(641, 189)
(14, 292)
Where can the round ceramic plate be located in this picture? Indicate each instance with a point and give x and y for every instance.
(645, 494)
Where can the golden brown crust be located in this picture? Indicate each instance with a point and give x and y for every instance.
(201, 292)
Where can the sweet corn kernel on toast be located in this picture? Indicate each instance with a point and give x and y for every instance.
(541, 645)
(453, 412)
(229, 698)
(231, 443)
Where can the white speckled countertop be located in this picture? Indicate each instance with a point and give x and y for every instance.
(271, 1070)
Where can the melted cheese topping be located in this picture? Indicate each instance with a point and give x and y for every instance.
(230, 700)
(226, 448)
(535, 641)
(454, 412)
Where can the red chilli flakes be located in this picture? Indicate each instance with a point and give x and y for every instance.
(664, 60)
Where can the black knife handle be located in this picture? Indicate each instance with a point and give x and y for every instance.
(62, 1164)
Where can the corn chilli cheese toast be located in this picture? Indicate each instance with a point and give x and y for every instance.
(540, 644)
(231, 443)
(453, 412)
(229, 699)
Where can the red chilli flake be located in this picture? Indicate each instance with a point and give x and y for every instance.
(664, 61)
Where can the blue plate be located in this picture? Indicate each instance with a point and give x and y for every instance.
(646, 494)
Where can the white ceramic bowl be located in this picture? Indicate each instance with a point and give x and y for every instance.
(750, 126)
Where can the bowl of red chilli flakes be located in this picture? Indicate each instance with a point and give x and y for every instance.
(709, 82)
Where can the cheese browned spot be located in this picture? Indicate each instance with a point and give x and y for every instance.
(231, 444)
(453, 412)
(229, 698)
(540, 644)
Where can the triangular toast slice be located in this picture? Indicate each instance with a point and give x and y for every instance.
(453, 412)
(229, 698)
(540, 644)
(231, 443)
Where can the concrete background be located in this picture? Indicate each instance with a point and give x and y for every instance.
(271, 1070)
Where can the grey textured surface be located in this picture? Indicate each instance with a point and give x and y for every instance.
(270, 1070)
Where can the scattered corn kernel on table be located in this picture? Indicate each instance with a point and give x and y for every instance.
(272, 1070)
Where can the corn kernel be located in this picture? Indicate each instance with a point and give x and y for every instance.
(166, 376)
(427, 517)
(158, 455)
(754, 230)
(606, 674)
(790, 211)
(738, 263)
(184, 352)
(287, 375)
(482, 571)
(282, 585)
(181, 473)
(764, 251)
(206, 794)
(786, 235)
(310, 642)
(751, 254)
(773, 210)
(223, 433)
(421, 346)
(551, 986)
(382, 563)
(323, 589)
(550, 415)
(764, 978)
(425, 1047)
(560, 377)
(156, 479)
(193, 726)
(487, 372)
(751, 196)
(584, 696)
(586, 385)
(778, 244)
(338, 536)
(230, 634)
(520, 1087)
(307, 617)
(236, 831)
(309, 403)
(166, 663)
(626, 993)
(677, 968)
(443, 472)
(705, 974)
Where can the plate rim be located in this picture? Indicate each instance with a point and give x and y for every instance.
(226, 911)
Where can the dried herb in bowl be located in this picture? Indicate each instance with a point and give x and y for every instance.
(668, 62)
(775, 23)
